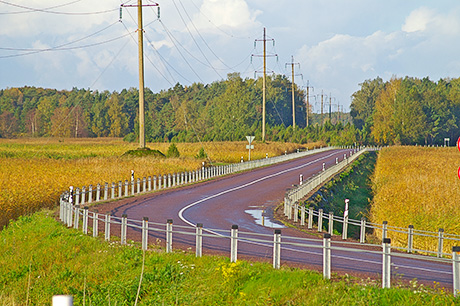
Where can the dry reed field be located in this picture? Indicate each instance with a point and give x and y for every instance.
(418, 186)
(34, 172)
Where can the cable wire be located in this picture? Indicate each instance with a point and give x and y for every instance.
(31, 9)
(45, 9)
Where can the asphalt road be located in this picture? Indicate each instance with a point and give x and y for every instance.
(239, 199)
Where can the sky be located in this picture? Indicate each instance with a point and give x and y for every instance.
(336, 44)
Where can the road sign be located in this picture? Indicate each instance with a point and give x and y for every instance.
(458, 143)
(250, 138)
(250, 146)
(458, 172)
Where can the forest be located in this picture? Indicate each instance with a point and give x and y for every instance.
(407, 111)
(399, 111)
(225, 110)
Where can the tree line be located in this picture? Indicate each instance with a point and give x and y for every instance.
(226, 110)
(407, 111)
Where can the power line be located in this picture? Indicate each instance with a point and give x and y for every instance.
(193, 38)
(31, 9)
(45, 9)
(58, 48)
(171, 37)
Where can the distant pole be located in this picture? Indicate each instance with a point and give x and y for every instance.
(263, 87)
(308, 103)
(293, 100)
(322, 95)
(140, 34)
(330, 107)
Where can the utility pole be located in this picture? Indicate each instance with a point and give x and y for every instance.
(308, 101)
(322, 95)
(264, 40)
(292, 64)
(140, 38)
(330, 107)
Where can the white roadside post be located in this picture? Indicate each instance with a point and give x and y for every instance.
(250, 146)
(62, 300)
(345, 221)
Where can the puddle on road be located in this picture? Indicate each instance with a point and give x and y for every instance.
(257, 214)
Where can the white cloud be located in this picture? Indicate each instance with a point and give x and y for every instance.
(418, 20)
(226, 14)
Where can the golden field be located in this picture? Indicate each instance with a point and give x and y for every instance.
(34, 172)
(418, 186)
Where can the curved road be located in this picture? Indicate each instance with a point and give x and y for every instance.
(236, 199)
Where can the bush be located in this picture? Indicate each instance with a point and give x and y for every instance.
(131, 137)
(172, 151)
(201, 154)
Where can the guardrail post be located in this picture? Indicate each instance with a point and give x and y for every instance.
(277, 249)
(169, 224)
(174, 179)
(138, 183)
(410, 238)
(95, 224)
(327, 256)
(386, 263)
(199, 240)
(456, 269)
(169, 180)
(149, 184)
(331, 223)
(154, 182)
(384, 229)
(144, 184)
(90, 193)
(440, 242)
(296, 212)
(106, 190)
(345, 227)
(124, 227)
(83, 195)
(85, 220)
(145, 233)
(132, 187)
(165, 184)
(302, 215)
(362, 235)
(159, 181)
(120, 185)
(77, 196)
(98, 192)
(107, 227)
(320, 220)
(77, 218)
(112, 191)
(310, 217)
(234, 243)
(126, 188)
(70, 214)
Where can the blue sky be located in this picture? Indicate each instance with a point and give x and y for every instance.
(337, 43)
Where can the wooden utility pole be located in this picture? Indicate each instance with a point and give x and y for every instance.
(292, 64)
(140, 36)
(264, 86)
(264, 72)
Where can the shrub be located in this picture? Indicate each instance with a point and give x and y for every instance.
(172, 151)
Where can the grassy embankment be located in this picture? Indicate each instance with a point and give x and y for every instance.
(34, 172)
(41, 258)
(417, 186)
(355, 184)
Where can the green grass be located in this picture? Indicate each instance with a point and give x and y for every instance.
(354, 184)
(41, 258)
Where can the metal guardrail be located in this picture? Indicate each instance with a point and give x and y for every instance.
(73, 216)
(308, 216)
